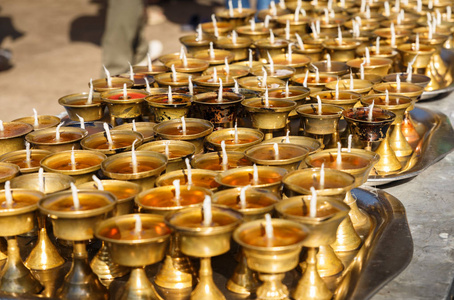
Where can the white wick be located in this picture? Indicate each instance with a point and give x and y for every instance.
(176, 185)
(361, 69)
(230, 8)
(8, 195)
(166, 149)
(225, 158)
(417, 42)
(328, 61)
(269, 227)
(393, 35)
(271, 63)
(90, 92)
(317, 74)
(76, 202)
(339, 36)
(250, 58)
(287, 137)
(226, 68)
(287, 92)
(398, 83)
(371, 111)
(169, 96)
(236, 87)
(109, 79)
(314, 30)
(271, 37)
(207, 217)
(215, 75)
(409, 73)
(252, 22)
(276, 151)
(367, 56)
(134, 127)
(267, 101)
(243, 202)
(234, 37)
(387, 96)
(138, 225)
(131, 72)
(240, 6)
(98, 182)
(349, 143)
(27, 153)
(147, 84)
(174, 73)
(149, 63)
(35, 116)
(282, 4)
(57, 132)
(255, 175)
(326, 11)
(289, 52)
(287, 30)
(125, 92)
(199, 33)
(188, 168)
(108, 135)
(212, 55)
(73, 159)
(134, 158)
(41, 180)
(81, 121)
(313, 204)
(190, 86)
(339, 155)
(219, 99)
(305, 79)
(185, 60)
(215, 25)
(236, 133)
(300, 41)
(273, 8)
(319, 106)
(183, 125)
(266, 22)
(336, 94)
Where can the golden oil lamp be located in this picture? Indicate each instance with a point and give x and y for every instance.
(173, 56)
(293, 23)
(269, 178)
(213, 81)
(150, 69)
(373, 78)
(27, 160)
(393, 36)
(217, 29)
(220, 108)
(173, 79)
(298, 94)
(135, 240)
(235, 139)
(124, 103)
(44, 255)
(268, 115)
(7, 172)
(79, 164)
(12, 136)
(141, 167)
(169, 106)
(215, 56)
(342, 50)
(284, 155)
(176, 152)
(255, 32)
(366, 26)
(321, 122)
(40, 121)
(423, 53)
(227, 72)
(337, 68)
(314, 81)
(273, 46)
(271, 253)
(238, 45)
(146, 129)
(111, 83)
(418, 79)
(189, 91)
(253, 204)
(177, 271)
(17, 216)
(294, 60)
(282, 72)
(220, 161)
(312, 144)
(79, 105)
(314, 52)
(260, 83)
(236, 16)
(273, 12)
(195, 177)
(74, 215)
(321, 215)
(124, 191)
(343, 98)
(399, 88)
(112, 142)
(196, 42)
(192, 66)
(56, 139)
(185, 129)
(398, 105)
(377, 65)
(204, 235)
(357, 86)
(141, 80)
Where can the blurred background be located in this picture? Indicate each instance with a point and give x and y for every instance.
(49, 49)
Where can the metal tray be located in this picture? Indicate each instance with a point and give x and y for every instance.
(437, 140)
(448, 57)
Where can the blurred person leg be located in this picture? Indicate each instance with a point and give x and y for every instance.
(123, 40)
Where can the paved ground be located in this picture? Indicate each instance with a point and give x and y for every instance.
(56, 47)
